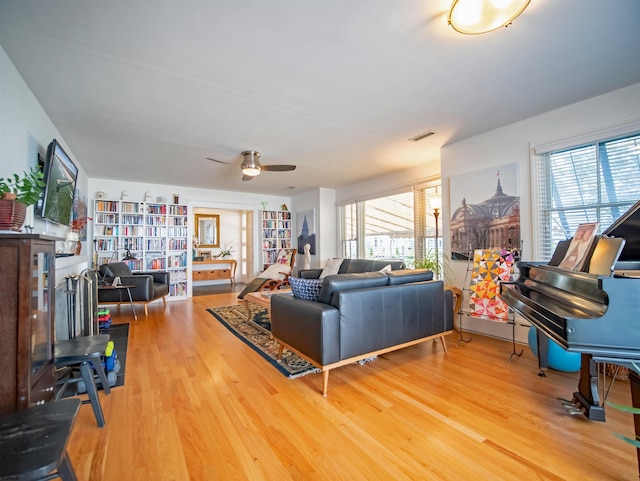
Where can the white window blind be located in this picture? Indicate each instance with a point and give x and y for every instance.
(597, 182)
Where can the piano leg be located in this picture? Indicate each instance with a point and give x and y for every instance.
(543, 353)
(587, 398)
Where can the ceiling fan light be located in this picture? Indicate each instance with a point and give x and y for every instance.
(250, 171)
(482, 16)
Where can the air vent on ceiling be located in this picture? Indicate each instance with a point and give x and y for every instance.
(423, 135)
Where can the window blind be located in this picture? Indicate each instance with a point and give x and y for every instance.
(589, 183)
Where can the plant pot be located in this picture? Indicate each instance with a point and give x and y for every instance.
(12, 215)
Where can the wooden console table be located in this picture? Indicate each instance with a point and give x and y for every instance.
(207, 271)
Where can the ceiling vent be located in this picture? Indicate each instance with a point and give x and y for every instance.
(423, 135)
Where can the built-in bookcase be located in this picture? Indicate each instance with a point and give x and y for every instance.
(277, 231)
(155, 233)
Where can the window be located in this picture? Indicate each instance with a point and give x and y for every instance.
(400, 226)
(596, 182)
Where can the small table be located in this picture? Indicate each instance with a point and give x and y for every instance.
(33, 442)
(262, 299)
(120, 287)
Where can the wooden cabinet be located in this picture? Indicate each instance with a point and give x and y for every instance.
(27, 302)
(210, 270)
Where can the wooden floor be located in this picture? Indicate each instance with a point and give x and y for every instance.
(198, 404)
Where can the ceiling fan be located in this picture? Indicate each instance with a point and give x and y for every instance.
(252, 167)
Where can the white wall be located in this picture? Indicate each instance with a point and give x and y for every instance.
(511, 144)
(25, 132)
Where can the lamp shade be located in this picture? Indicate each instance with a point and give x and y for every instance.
(482, 16)
(436, 202)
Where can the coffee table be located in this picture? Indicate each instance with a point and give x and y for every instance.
(262, 299)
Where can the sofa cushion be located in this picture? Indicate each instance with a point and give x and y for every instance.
(331, 267)
(305, 288)
(341, 282)
(405, 276)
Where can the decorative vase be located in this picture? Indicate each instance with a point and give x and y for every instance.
(12, 215)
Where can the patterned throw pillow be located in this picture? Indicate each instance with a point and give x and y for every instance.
(305, 288)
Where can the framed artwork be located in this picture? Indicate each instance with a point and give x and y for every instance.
(206, 255)
(485, 211)
(306, 230)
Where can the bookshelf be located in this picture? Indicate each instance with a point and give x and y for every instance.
(277, 233)
(155, 233)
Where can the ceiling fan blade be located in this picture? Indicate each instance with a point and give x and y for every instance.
(246, 178)
(278, 168)
(220, 161)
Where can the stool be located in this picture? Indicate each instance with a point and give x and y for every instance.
(82, 353)
(33, 442)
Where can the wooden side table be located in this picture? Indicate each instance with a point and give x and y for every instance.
(33, 442)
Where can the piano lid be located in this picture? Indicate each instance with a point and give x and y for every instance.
(628, 227)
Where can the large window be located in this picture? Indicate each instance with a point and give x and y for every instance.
(399, 226)
(596, 182)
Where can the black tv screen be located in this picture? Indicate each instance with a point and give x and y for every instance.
(61, 175)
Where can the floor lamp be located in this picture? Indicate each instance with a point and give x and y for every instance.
(436, 205)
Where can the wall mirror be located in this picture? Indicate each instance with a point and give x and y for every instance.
(207, 231)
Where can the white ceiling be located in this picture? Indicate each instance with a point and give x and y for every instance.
(144, 90)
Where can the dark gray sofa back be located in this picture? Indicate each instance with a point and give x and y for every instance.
(404, 276)
(340, 282)
(350, 266)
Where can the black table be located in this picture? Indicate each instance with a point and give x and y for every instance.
(120, 287)
(33, 442)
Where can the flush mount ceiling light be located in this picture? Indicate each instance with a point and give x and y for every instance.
(482, 16)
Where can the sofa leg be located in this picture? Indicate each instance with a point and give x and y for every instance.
(280, 349)
(444, 344)
(164, 301)
(325, 382)
(146, 309)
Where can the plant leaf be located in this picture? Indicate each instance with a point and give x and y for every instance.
(633, 442)
(621, 407)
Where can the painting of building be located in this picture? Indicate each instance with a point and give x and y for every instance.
(481, 219)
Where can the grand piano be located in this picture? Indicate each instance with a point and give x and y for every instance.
(595, 314)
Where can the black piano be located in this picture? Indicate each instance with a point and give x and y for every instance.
(597, 315)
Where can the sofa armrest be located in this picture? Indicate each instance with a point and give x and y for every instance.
(310, 273)
(162, 277)
(310, 327)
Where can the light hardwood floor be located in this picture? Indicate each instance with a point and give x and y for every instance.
(198, 404)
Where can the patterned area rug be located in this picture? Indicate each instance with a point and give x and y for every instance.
(255, 333)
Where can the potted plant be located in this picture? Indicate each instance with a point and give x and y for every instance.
(16, 193)
(438, 266)
(635, 441)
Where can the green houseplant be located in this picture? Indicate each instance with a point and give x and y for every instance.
(16, 193)
(429, 261)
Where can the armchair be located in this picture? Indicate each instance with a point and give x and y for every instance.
(149, 286)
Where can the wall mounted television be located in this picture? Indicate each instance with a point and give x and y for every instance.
(61, 175)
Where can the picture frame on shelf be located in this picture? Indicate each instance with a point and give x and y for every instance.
(206, 255)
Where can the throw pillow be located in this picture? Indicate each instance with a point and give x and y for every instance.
(277, 272)
(386, 268)
(331, 267)
(305, 288)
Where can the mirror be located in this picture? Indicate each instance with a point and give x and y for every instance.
(207, 230)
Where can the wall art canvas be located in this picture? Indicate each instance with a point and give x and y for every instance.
(306, 230)
(490, 267)
(485, 211)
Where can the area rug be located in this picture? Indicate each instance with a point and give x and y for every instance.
(255, 333)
